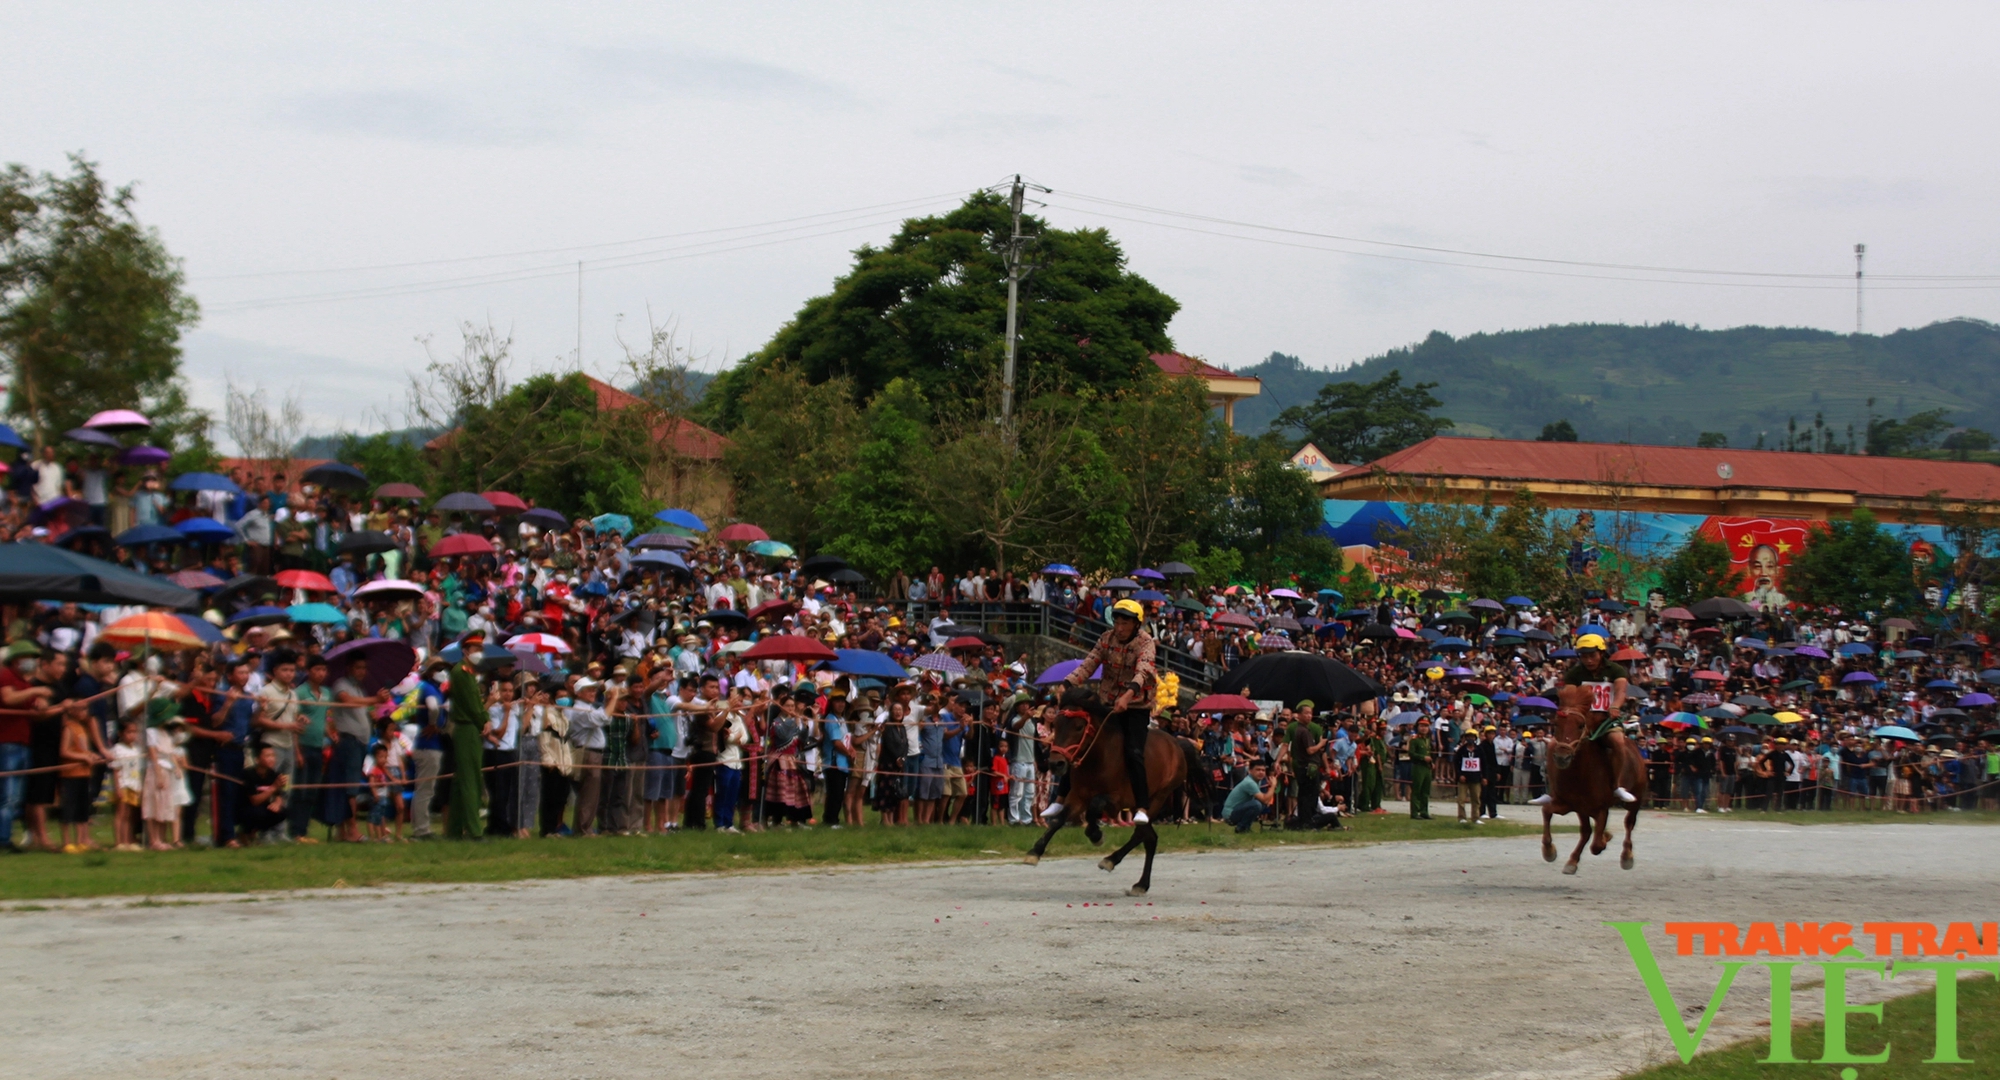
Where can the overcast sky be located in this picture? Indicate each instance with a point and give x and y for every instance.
(275, 140)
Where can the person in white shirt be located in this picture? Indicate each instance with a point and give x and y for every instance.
(503, 755)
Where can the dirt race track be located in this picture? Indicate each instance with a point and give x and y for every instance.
(1470, 959)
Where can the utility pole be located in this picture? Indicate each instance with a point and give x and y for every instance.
(1017, 272)
(1860, 252)
(579, 314)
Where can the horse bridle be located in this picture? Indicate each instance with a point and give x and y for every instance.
(1560, 748)
(1093, 726)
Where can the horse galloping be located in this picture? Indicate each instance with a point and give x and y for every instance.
(1582, 775)
(1092, 753)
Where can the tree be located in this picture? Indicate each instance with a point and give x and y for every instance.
(1965, 441)
(261, 431)
(1856, 566)
(1487, 551)
(795, 440)
(1045, 487)
(1711, 440)
(879, 516)
(1697, 570)
(1560, 431)
(1273, 515)
(91, 308)
(1361, 422)
(1173, 456)
(1902, 438)
(931, 307)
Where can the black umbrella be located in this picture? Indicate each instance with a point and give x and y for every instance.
(1293, 677)
(1177, 569)
(663, 541)
(74, 537)
(1719, 607)
(30, 572)
(1990, 736)
(823, 564)
(389, 660)
(1377, 632)
(1535, 633)
(247, 585)
(463, 502)
(847, 577)
(1283, 622)
(333, 474)
(366, 542)
(1750, 701)
(1434, 594)
(541, 517)
(725, 615)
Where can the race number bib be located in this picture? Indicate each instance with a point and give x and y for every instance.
(1600, 696)
(1468, 765)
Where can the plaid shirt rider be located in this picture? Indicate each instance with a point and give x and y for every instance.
(1128, 665)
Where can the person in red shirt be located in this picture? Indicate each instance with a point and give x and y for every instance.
(21, 702)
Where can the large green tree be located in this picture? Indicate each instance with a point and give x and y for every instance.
(787, 460)
(1697, 570)
(879, 514)
(931, 307)
(1489, 551)
(1854, 565)
(91, 308)
(1360, 422)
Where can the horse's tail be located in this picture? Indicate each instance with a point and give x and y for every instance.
(1200, 791)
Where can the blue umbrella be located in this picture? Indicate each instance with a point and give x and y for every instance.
(866, 662)
(1593, 628)
(1431, 634)
(1975, 700)
(1562, 654)
(204, 481)
(315, 613)
(1940, 684)
(1534, 703)
(1405, 719)
(659, 557)
(10, 437)
(1895, 731)
(1501, 695)
(1147, 572)
(1062, 568)
(1856, 648)
(1151, 596)
(1518, 601)
(683, 518)
(1453, 644)
(617, 523)
(1911, 654)
(206, 530)
(149, 534)
(202, 629)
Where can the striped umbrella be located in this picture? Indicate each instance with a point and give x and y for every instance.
(538, 643)
(940, 662)
(154, 629)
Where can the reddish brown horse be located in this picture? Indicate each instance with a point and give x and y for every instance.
(1092, 753)
(1582, 774)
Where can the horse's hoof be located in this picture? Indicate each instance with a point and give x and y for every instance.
(1548, 854)
(1569, 868)
(1135, 891)
(1094, 834)
(1105, 864)
(1033, 860)
(1625, 862)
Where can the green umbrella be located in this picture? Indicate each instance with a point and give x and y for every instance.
(771, 549)
(1478, 699)
(1761, 719)
(1800, 684)
(1457, 617)
(1189, 603)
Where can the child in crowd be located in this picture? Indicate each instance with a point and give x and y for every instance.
(126, 778)
(78, 758)
(165, 790)
(382, 801)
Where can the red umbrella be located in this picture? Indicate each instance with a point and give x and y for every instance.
(789, 647)
(965, 643)
(1710, 676)
(1628, 653)
(502, 500)
(743, 531)
(773, 609)
(1231, 618)
(400, 491)
(195, 579)
(304, 579)
(1224, 703)
(462, 544)
(1680, 613)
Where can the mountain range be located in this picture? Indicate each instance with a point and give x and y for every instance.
(1668, 383)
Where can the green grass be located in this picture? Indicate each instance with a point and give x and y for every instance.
(291, 866)
(1909, 1025)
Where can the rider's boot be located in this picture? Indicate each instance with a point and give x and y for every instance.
(1135, 771)
(1054, 811)
(1621, 752)
(1542, 800)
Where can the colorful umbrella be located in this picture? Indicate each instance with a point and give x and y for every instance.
(770, 549)
(304, 579)
(548, 644)
(152, 628)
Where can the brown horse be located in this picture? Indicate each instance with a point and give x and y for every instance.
(1582, 773)
(1092, 753)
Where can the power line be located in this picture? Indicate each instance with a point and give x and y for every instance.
(576, 247)
(1498, 269)
(1510, 258)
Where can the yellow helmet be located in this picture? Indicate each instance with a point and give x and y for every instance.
(1435, 673)
(1591, 641)
(1128, 607)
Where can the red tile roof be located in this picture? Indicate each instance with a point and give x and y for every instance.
(1174, 363)
(1692, 467)
(688, 438)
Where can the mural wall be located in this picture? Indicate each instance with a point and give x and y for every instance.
(1759, 547)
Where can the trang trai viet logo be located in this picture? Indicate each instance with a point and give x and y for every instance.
(1779, 947)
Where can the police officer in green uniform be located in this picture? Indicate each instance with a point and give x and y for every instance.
(1371, 769)
(1420, 772)
(1305, 740)
(468, 723)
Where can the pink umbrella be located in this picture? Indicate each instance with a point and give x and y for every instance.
(1287, 594)
(118, 420)
(503, 500)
